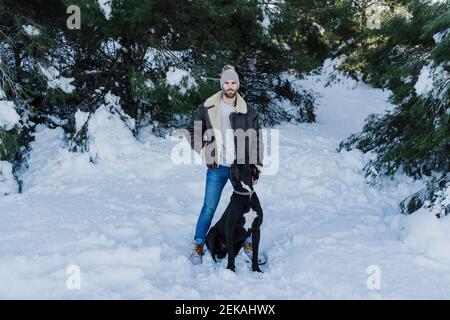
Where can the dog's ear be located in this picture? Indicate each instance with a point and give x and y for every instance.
(255, 172)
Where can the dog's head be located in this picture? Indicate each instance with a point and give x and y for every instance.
(242, 175)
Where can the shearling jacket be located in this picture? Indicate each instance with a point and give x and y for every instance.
(204, 132)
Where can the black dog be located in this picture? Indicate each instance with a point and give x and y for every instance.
(242, 217)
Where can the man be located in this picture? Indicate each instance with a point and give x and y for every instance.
(214, 129)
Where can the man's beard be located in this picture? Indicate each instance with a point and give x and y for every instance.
(230, 94)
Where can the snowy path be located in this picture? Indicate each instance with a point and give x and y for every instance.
(128, 223)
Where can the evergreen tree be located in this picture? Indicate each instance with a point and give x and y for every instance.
(415, 137)
(24, 46)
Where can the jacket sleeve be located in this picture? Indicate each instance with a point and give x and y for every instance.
(259, 142)
(196, 129)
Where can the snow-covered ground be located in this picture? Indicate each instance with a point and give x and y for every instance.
(128, 221)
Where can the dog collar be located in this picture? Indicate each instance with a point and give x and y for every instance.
(244, 193)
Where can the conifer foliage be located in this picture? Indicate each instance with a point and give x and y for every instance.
(160, 59)
(409, 55)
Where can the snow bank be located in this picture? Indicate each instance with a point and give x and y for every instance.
(80, 119)
(110, 145)
(109, 138)
(8, 119)
(344, 102)
(7, 182)
(50, 160)
(109, 131)
(8, 115)
(427, 235)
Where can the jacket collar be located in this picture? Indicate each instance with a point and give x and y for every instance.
(214, 100)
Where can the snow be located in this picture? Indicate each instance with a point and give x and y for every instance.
(57, 121)
(102, 127)
(319, 27)
(441, 35)
(54, 80)
(149, 84)
(426, 234)
(151, 57)
(429, 80)
(30, 30)
(158, 58)
(267, 9)
(128, 220)
(105, 7)
(265, 24)
(111, 48)
(80, 119)
(7, 182)
(175, 76)
(441, 202)
(8, 115)
(344, 103)
(425, 82)
(106, 122)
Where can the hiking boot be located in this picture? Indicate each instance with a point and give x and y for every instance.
(197, 253)
(248, 249)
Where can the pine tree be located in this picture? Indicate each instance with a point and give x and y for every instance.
(24, 45)
(415, 137)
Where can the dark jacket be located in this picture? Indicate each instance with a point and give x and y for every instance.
(207, 134)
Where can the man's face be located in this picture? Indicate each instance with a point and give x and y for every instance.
(230, 89)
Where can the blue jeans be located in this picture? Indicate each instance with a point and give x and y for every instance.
(215, 182)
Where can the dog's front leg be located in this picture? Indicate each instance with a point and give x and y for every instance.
(230, 241)
(255, 247)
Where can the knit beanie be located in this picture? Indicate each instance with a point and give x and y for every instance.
(228, 73)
